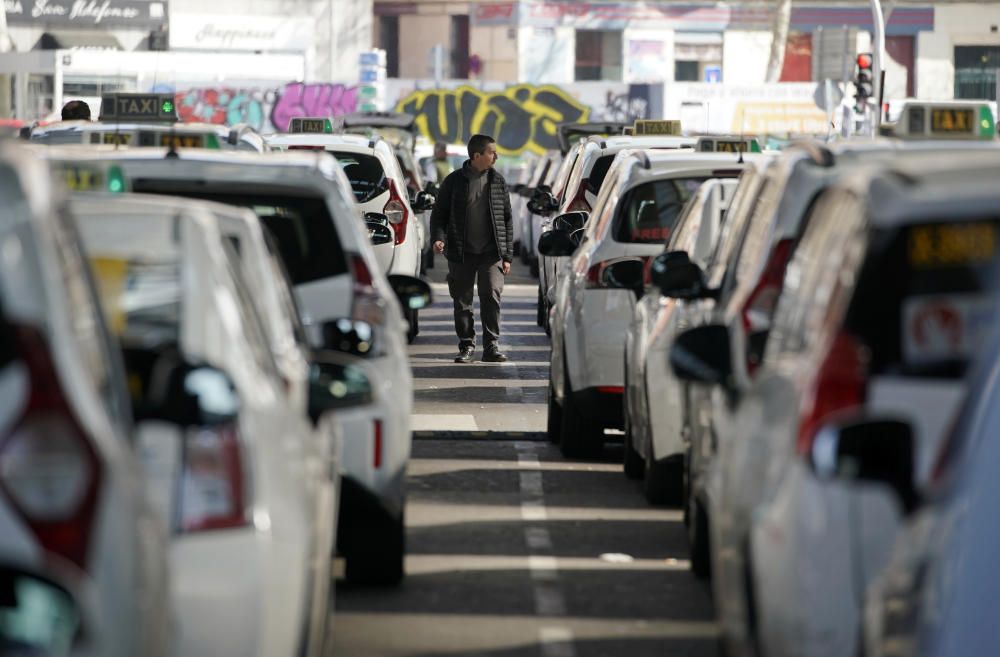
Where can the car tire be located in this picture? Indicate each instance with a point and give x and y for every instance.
(553, 425)
(377, 553)
(701, 560)
(540, 309)
(663, 481)
(579, 437)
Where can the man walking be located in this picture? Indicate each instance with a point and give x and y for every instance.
(472, 227)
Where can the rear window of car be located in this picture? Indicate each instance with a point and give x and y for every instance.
(365, 173)
(650, 211)
(301, 226)
(925, 298)
(599, 172)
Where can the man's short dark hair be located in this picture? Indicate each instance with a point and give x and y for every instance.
(478, 144)
(76, 110)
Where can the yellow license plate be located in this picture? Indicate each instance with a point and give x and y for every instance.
(117, 138)
(945, 245)
(182, 141)
(950, 120)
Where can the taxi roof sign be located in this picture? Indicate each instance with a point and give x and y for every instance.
(727, 144)
(668, 127)
(138, 108)
(313, 125)
(946, 120)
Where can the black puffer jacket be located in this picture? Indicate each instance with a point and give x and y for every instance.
(448, 217)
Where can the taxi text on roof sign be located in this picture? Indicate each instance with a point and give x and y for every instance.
(710, 144)
(657, 127)
(946, 120)
(310, 125)
(138, 107)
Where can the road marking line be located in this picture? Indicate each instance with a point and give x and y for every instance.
(556, 642)
(538, 538)
(531, 484)
(533, 511)
(549, 600)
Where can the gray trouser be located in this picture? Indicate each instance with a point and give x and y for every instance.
(484, 270)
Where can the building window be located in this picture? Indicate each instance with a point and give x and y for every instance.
(460, 47)
(388, 40)
(598, 55)
(686, 71)
(976, 72)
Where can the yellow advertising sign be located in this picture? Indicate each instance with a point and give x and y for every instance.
(778, 118)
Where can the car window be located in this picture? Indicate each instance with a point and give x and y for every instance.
(604, 208)
(301, 225)
(734, 227)
(576, 173)
(926, 295)
(651, 210)
(599, 172)
(753, 246)
(562, 177)
(250, 321)
(365, 173)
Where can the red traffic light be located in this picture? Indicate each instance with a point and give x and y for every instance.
(865, 60)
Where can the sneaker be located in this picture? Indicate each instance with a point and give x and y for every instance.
(492, 354)
(464, 355)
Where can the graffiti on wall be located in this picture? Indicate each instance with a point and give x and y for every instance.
(267, 110)
(521, 117)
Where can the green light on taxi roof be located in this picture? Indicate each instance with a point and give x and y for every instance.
(116, 180)
(168, 107)
(987, 127)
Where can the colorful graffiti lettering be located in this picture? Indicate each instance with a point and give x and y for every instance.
(521, 118)
(300, 99)
(265, 109)
(225, 106)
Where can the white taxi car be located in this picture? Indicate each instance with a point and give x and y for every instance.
(654, 449)
(230, 463)
(72, 498)
(728, 476)
(639, 203)
(346, 303)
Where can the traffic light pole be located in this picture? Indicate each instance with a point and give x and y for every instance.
(878, 52)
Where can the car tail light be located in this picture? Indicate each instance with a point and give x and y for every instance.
(839, 384)
(760, 305)
(306, 148)
(377, 460)
(397, 213)
(367, 304)
(611, 390)
(213, 494)
(579, 202)
(48, 466)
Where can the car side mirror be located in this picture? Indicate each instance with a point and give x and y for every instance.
(423, 202)
(678, 277)
(376, 218)
(702, 355)
(378, 233)
(570, 221)
(556, 244)
(413, 293)
(188, 394)
(625, 275)
(431, 188)
(336, 382)
(877, 451)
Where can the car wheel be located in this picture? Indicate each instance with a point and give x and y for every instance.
(701, 562)
(540, 309)
(376, 554)
(663, 481)
(578, 438)
(413, 318)
(553, 426)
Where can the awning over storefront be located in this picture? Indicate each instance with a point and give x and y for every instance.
(75, 39)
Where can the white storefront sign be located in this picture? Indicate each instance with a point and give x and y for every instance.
(245, 33)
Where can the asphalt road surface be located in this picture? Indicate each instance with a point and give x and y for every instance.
(513, 551)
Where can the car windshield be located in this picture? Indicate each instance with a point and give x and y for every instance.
(301, 226)
(365, 173)
(651, 210)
